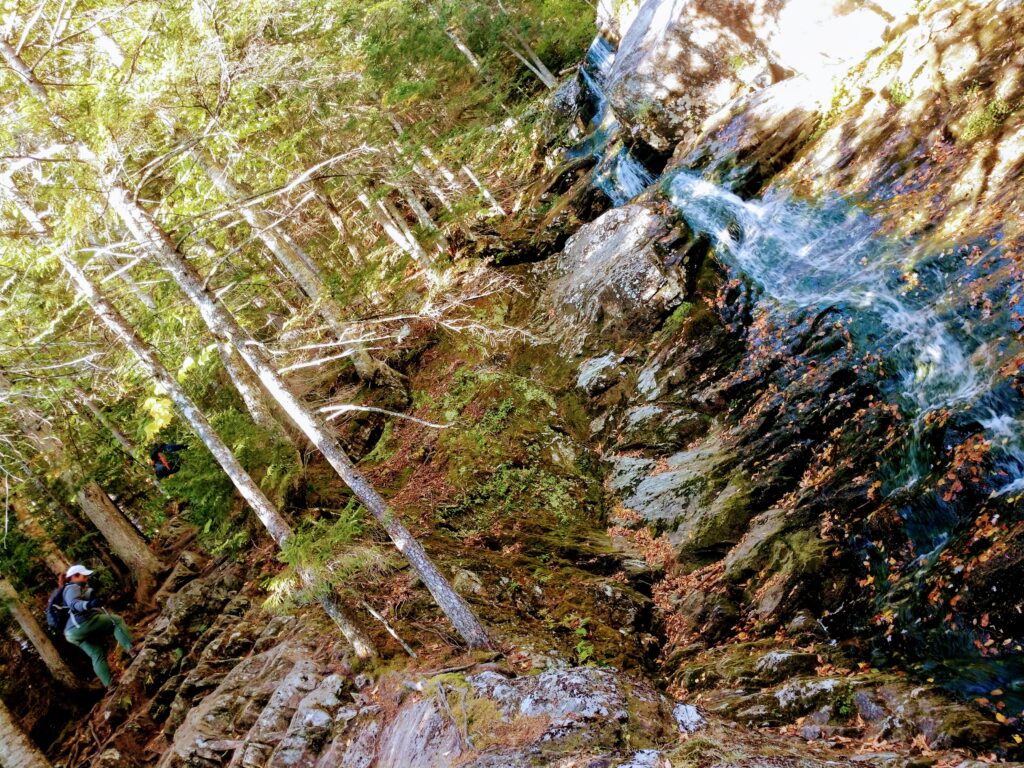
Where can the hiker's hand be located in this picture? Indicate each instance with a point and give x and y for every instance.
(94, 603)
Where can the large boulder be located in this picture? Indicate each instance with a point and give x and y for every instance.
(682, 60)
(611, 280)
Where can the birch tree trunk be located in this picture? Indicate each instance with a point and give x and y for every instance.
(446, 174)
(456, 40)
(307, 277)
(97, 412)
(224, 326)
(338, 221)
(422, 215)
(16, 748)
(37, 636)
(495, 206)
(398, 232)
(249, 390)
(298, 263)
(115, 528)
(265, 510)
(531, 60)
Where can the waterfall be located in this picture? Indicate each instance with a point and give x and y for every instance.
(832, 254)
(599, 59)
(617, 173)
(622, 177)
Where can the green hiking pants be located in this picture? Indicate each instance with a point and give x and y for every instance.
(89, 636)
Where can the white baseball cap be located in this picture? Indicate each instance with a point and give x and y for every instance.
(78, 570)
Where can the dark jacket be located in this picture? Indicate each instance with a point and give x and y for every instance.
(80, 603)
(165, 460)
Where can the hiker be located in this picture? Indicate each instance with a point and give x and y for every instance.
(88, 622)
(165, 460)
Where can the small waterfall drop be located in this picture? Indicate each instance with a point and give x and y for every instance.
(622, 177)
(833, 254)
(618, 173)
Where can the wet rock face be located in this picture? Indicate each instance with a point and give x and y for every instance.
(611, 280)
(757, 684)
(283, 707)
(680, 62)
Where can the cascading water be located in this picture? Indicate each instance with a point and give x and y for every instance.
(804, 256)
(618, 174)
(833, 255)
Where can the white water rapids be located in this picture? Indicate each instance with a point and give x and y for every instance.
(806, 257)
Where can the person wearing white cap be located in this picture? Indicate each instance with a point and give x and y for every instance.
(88, 622)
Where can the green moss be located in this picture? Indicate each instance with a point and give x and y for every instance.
(675, 321)
(840, 100)
(899, 93)
(984, 120)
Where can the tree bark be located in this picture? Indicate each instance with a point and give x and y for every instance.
(55, 560)
(57, 508)
(298, 263)
(97, 412)
(15, 62)
(115, 528)
(225, 327)
(495, 206)
(533, 63)
(349, 626)
(37, 636)
(338, 221)
(306, 276)
(395, 229)
(16, 748)
(249, 390)
(124, 540)
(265, 510)
(112, 318)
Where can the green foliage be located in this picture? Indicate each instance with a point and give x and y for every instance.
(844, 706)
(21, 562)
(899, 93)
(332, 554)
(208, 495)
(160, 411)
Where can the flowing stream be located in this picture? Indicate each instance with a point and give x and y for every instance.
(906, 306)
(807, 256)
(618, 173)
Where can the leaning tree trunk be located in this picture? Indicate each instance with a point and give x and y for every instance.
(224, 326)
(305, 274)
(124, 539)
(58, 508)
(55, 560)
(334, 213)
(265, 510)
(115, 528)
(249, 389)
(123, 440)
(37, 636)
(16, 748)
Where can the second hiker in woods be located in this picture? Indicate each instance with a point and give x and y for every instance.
(89, 623)
(165, 458)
